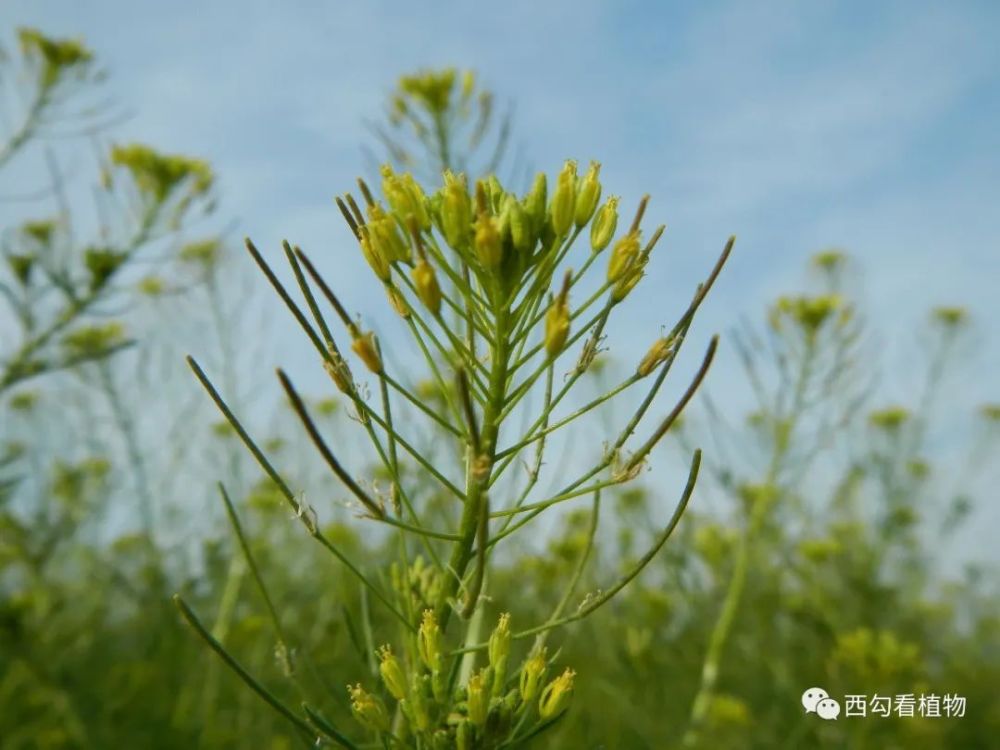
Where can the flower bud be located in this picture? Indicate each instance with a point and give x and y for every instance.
(398, 302)
(336, 367)
(534, 202)
(463, 735)
(658, 353)
(605, 223)
(494, 192)
(368, 709)
(564, 199)
(633, 275)
(373, 254)
(532, 674)
(468, 83)
(416, 704)
(405, 197)
(588, 195)
(425, 280)
(478, 700)
(364, 346)
(555, 697)
(456, 210)
(499, 645)
(392, 673)
(429, 641)
(623, 256)
(499, 650)
(489, 247)
(557, 320)
(385, 235)
(521, 231)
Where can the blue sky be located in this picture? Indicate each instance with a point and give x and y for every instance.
(874, 127)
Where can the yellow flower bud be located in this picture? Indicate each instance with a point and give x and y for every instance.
(521, 231)
(555, 697)
(489, 246)
(605, 223)
(405, 197)
(623, 256)
(633, 275)
(468, 83)
(386, 236)
(425, 280)
(535, 201)
(373, 254)
(456, 211)
(499, 650)
(398, 302)
(532, 674)
(588, 195)
(557, 321)
(479, 702)
(336, 367)
(429, 641)
(564, 199)
(368, 709)
(416, 704)
(392, 673)
(364, 346)
(658, 353)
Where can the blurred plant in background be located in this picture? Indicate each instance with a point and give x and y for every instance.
(813, 558)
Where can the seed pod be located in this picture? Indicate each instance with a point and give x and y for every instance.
(564, 199)
(623, 256)
(463, 735)
(425, 280)
(604, 225)
(364, 346)
(555, 697)
(588, 195)
(392, 673)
